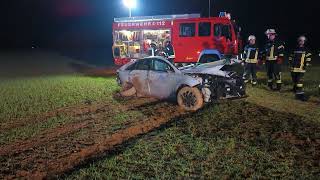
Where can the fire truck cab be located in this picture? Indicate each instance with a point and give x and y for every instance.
(194, 39)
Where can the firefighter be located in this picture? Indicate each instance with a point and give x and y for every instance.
(250, 60)
(299, 60)
(274, 55)
(169, 51)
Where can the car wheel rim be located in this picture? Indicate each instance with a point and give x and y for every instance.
(189, 99)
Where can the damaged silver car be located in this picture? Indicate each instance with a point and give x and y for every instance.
(192, 86)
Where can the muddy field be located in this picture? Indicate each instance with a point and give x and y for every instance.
(76, 126)
(58, 150)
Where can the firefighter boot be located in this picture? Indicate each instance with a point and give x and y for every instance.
(254, 82)
(245, 78)
(294, 89)
(278, 87)
(302, 97)
(270, 85)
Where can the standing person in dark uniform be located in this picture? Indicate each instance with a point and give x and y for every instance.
(274, 55)
(170, 51)
(299, 60)
(251, 53)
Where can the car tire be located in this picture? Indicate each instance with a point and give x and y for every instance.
(128, 90)
(190, 99)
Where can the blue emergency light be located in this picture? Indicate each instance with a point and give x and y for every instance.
(223, 14)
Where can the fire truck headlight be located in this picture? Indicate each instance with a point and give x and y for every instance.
(130, 3)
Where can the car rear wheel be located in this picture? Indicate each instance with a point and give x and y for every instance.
(190, 99)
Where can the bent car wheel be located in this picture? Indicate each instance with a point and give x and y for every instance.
(190, 99)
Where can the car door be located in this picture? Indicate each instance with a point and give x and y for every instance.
(162, 79)
(138, 76)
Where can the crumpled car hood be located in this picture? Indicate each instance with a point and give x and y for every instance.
(213, 68)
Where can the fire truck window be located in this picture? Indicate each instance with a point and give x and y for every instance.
(187, 29)
(217, 30)
(205, 29)
(226, 32)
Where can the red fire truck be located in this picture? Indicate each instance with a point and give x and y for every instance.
(194, 39)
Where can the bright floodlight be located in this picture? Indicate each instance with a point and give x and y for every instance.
(130, 3)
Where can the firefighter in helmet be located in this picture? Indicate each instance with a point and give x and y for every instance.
(168, 49)
(250, 60)
(299, 60)
(273, 55)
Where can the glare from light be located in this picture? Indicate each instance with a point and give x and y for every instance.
(131, 4)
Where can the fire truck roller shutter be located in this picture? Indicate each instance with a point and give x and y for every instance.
(209, 55)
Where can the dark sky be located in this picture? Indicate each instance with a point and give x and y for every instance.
(88, 23)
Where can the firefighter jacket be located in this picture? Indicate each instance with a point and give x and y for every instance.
(299, 59)
(273, 50)
(251, 53)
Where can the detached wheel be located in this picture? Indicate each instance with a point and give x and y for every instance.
(190, 99)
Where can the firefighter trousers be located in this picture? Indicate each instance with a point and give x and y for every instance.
(274, 73)
(250, 71)
(297, 79)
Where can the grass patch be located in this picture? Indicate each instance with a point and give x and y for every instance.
(32, 130)
(311, 81)
(285, 101)
(233, 140)
(23, 97)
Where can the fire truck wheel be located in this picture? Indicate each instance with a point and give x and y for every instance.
(190, 99)
(209, 58)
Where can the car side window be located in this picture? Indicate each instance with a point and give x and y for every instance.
(161, 66)
(144, 64)
(131, 67)
(187, 29)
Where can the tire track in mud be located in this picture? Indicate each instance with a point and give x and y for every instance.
(69, 111)
(75, 112)
(50, 135)
(68, 163)
(56, 153)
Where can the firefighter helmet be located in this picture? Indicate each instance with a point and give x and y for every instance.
(270, 31)
(251, 37)
(302, 38)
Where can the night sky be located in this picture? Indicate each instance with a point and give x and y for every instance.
(63, 24)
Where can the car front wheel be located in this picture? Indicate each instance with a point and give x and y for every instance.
(190, 99)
